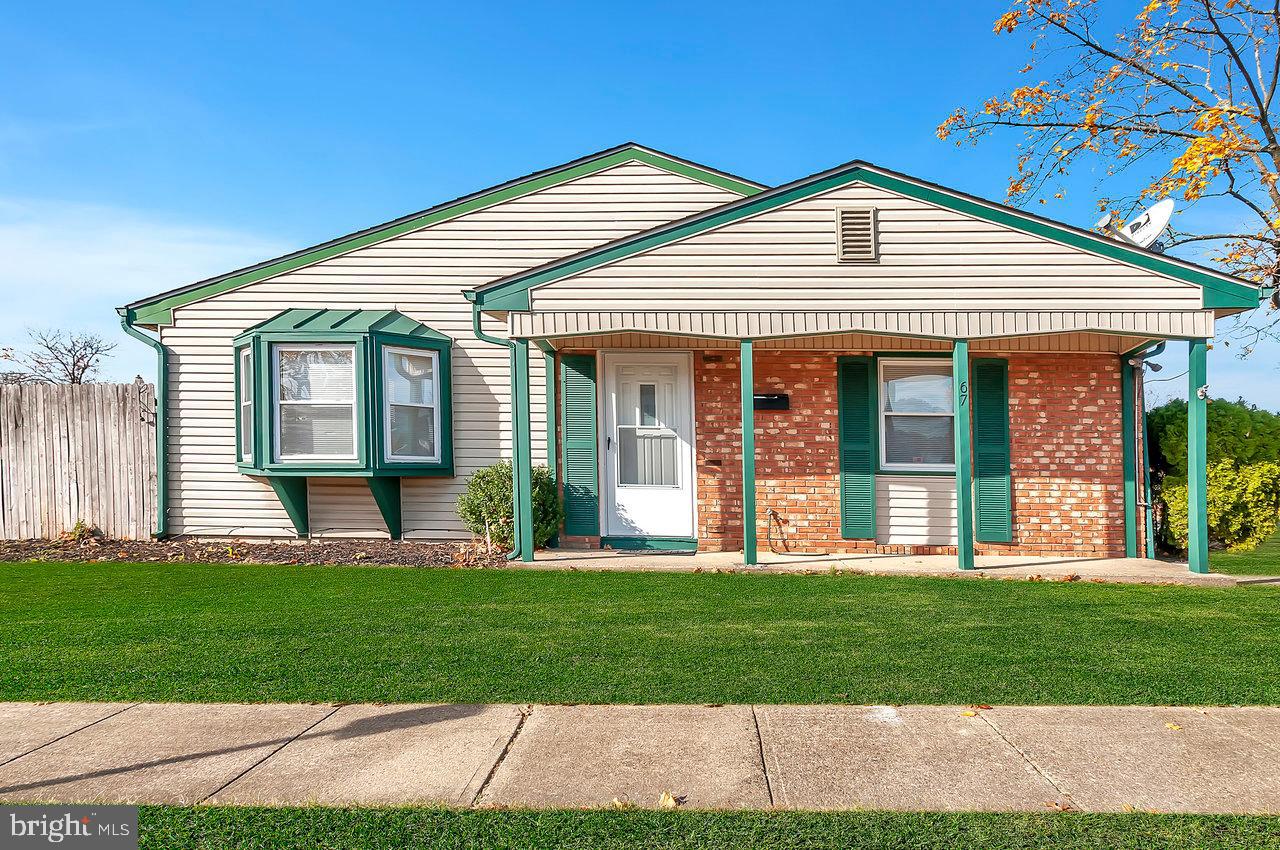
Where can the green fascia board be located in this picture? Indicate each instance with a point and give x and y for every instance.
(511, 293)
(158, 310)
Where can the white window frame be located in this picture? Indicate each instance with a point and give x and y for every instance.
(387, 351)
(882, 413)
(276, 402)
(245, 389)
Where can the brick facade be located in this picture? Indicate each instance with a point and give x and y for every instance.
(1066, 453)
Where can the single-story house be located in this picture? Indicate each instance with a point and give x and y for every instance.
(858, 360)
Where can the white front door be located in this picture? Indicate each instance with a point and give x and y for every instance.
(647, 444)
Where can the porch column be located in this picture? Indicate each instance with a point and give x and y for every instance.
(747, 378)
(521, 455)
(1128, 457)
(1197, 473)
(964, 457)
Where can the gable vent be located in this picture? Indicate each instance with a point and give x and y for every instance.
(856, 235)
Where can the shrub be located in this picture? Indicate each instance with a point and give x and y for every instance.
(485, 506)
(1244, 505)
(1238, 431)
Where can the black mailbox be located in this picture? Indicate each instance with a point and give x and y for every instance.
(772, 401)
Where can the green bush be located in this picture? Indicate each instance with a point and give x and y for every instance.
(1244, 505)
(485, 506)
(1238, 432)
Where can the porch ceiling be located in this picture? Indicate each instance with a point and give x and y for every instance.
(935, 325)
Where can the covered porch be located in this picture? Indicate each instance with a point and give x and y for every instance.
(987, 352)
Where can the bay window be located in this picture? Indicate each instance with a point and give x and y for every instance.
(917, 418)
(322, 392)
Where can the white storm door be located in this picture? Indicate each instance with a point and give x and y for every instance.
(647, 444)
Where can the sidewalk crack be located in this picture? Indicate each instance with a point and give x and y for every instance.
(1042, 773)
(69, 734)
(239, 775)
(764, 765)
(502, 756)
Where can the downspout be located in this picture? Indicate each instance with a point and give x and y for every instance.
(162, 437)
(511, 382)
(1136, 361)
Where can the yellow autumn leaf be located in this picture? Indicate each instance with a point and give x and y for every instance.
(667, 801)
(968, 714)
(1173, 726)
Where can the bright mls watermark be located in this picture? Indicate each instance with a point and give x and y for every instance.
(96, 827)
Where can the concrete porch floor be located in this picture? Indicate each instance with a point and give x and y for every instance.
(1123, 570)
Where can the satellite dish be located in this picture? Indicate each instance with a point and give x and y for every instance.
(1144, 229)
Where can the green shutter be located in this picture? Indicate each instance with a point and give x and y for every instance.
(993, 484)
(857, 408)
(578, 429)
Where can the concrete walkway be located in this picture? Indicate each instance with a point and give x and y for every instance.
(1022, 567)
(736, 756)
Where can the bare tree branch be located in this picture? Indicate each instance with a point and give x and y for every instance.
(58, 357)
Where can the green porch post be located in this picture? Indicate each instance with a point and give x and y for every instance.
(522, 454)
(964, 456)
(747, 377)
(1129, 458)
(1197, 473)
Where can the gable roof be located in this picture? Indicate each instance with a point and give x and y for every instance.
(512, 292)
(158, 309)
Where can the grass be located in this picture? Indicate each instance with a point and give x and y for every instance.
(1263, 561)
(366, 829)
(202, 633)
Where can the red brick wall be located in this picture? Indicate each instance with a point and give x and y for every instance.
(1067, 453)
(1065, 447)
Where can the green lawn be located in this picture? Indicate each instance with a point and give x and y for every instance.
(189, 632)
(366, 829)
(1263, 561)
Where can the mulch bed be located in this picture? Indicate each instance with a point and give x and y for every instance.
(326, 552)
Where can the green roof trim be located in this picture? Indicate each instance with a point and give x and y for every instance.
(512, 292)
(158, 309)
(309, 320)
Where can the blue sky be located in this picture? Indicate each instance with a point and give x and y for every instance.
(142, 148)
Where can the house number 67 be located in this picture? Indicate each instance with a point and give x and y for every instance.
(964, 393)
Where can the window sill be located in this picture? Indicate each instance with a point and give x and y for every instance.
(349, 470)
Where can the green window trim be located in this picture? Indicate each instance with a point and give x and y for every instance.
(369, 334)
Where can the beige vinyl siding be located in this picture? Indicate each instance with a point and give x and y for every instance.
(916, 510)
(422, 274)
(929, 259)
(343, 507)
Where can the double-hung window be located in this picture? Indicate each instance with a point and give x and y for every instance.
(245, 394)
(411, 412)
(917, 417)
(315, 409)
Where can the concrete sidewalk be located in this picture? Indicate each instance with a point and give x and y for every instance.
(804, 757)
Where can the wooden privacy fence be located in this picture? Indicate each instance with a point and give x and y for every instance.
(77, 453)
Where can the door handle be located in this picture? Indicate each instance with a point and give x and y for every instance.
(608, 444)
